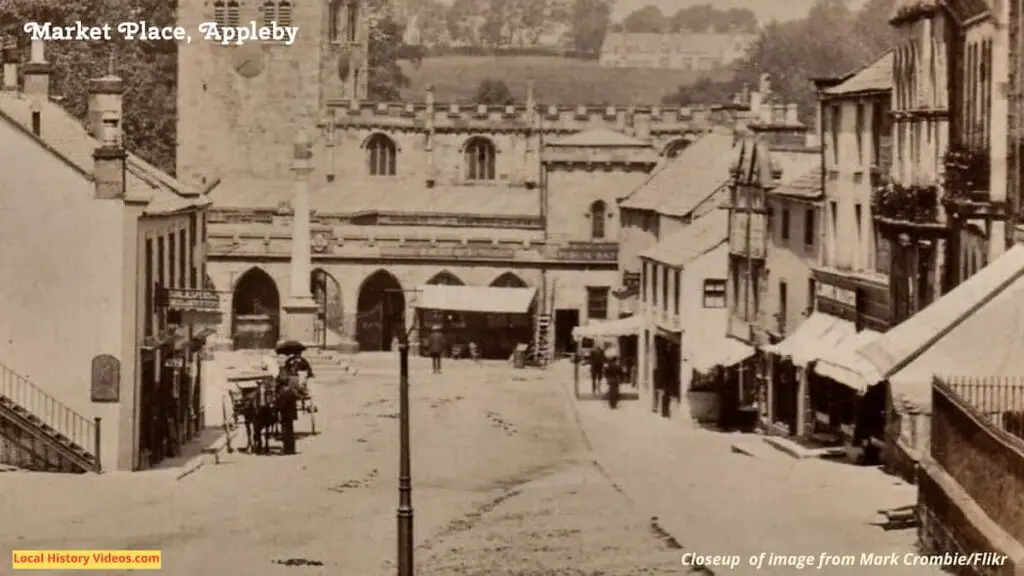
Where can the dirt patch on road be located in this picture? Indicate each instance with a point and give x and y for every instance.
(364, 482)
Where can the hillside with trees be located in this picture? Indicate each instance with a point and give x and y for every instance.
(832, 40)
(694, 19)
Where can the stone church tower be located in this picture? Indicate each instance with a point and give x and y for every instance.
(239, 107)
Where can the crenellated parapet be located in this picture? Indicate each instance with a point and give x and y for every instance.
(640, 121)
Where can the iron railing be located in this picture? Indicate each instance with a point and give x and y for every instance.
(1000, 401)
(50, 411)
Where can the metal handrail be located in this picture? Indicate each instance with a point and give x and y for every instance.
(50, 411)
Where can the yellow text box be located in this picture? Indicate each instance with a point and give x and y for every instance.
(86, 559)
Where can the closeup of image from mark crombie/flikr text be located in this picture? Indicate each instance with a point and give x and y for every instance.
(512, 288)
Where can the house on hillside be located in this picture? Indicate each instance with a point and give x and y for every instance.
(677, 51)
(100, 336)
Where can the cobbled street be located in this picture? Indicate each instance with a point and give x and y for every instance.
(502, 484)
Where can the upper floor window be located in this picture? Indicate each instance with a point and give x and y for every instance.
(352, 25)
(382, 155)
(480, 157)
(714, 293)
(598, 213)
(644, 275)
(280, 12)
(677, 279)
(809, 227)
(836, 118)
(597, 302)
(269, 9)
(859, 127)
(785, 224)
(343, 21)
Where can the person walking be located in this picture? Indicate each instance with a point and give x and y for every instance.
(613, 375)
(436, 345)
(596, 367)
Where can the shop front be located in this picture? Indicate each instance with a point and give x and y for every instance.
(495, 319)
(839, 383)
(719, 389)
(624, 331)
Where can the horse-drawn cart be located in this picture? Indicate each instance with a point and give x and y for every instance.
(257, 402)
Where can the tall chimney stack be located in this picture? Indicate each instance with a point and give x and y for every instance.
(37, 72)
(105, 117)
(10, 57)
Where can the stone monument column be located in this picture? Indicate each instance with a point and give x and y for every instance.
(300, 308)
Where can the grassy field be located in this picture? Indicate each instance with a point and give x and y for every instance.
(556, 80)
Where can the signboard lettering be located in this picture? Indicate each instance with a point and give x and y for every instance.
(488, 252)
(601, 254)
(106, 379)
(192, 300)
(837, 294)
(631, 280)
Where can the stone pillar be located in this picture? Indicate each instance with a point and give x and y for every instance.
(802, 404)
(768, 412)
(300, 308)
(999, 129)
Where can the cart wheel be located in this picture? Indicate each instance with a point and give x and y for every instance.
(312, 418)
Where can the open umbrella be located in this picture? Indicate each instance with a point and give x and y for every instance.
(290, 347)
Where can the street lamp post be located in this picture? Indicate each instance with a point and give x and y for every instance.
(405, 512)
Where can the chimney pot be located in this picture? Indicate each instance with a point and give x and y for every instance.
(38, 54)
(792, 114)
(37, 72)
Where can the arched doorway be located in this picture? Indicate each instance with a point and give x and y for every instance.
(381, 311)
(508, 280)
(329, 325)
(255, 311)
(446, 278)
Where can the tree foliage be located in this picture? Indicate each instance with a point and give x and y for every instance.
(491, 91)
(589, 21)
(831, 41)
(385, 78)
(647, 20)
(149, 69)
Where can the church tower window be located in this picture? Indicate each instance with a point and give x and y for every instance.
(269, 13)
(234, 13)
(284, 13)
(220, 13)
(353, 21)
(480, 159)
(382, 155)
(334, 21)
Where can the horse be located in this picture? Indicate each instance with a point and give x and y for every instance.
(260, 413)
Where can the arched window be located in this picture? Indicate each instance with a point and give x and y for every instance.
(220, 13)
(381, 155)
(598, 212)
(352, 27)
(480, 155)
(234, 13)
(445, 278)
(284, 13)
(508, 280)
(269, 13)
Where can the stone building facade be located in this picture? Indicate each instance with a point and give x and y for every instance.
(403, 193)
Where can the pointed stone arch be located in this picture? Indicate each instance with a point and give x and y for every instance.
(255, 310)
(509, 280)
(380, 309)
(446, 278)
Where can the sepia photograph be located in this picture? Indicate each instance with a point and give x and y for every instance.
(512, 287)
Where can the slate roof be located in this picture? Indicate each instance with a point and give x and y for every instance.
(680, 184)
(599, 137)
(702, 236)
(66, 137)
(806, 186)
(875, 77)
(384, 196)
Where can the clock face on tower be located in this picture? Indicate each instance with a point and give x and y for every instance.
(248, 60)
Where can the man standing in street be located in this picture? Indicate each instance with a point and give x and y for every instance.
(436, 345)
(596, 367)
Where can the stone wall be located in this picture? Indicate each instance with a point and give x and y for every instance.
(966, 485)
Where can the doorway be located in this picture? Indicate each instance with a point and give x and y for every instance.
(255, 311)
(565, 321)
(329, 326)
(381, 311)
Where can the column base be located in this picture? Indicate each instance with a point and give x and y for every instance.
(298, 320)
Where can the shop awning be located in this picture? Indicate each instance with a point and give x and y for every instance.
(704, 353)
(903, 343)
(844, 365)
(627, 326)
(488, 299)
(986, 347)
(815, 336)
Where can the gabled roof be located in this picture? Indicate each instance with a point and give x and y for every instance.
(806, 186)
(875, 77)
(599, 137)
(682, 183)
(67, 138)
(961, 10)
(702, 236)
